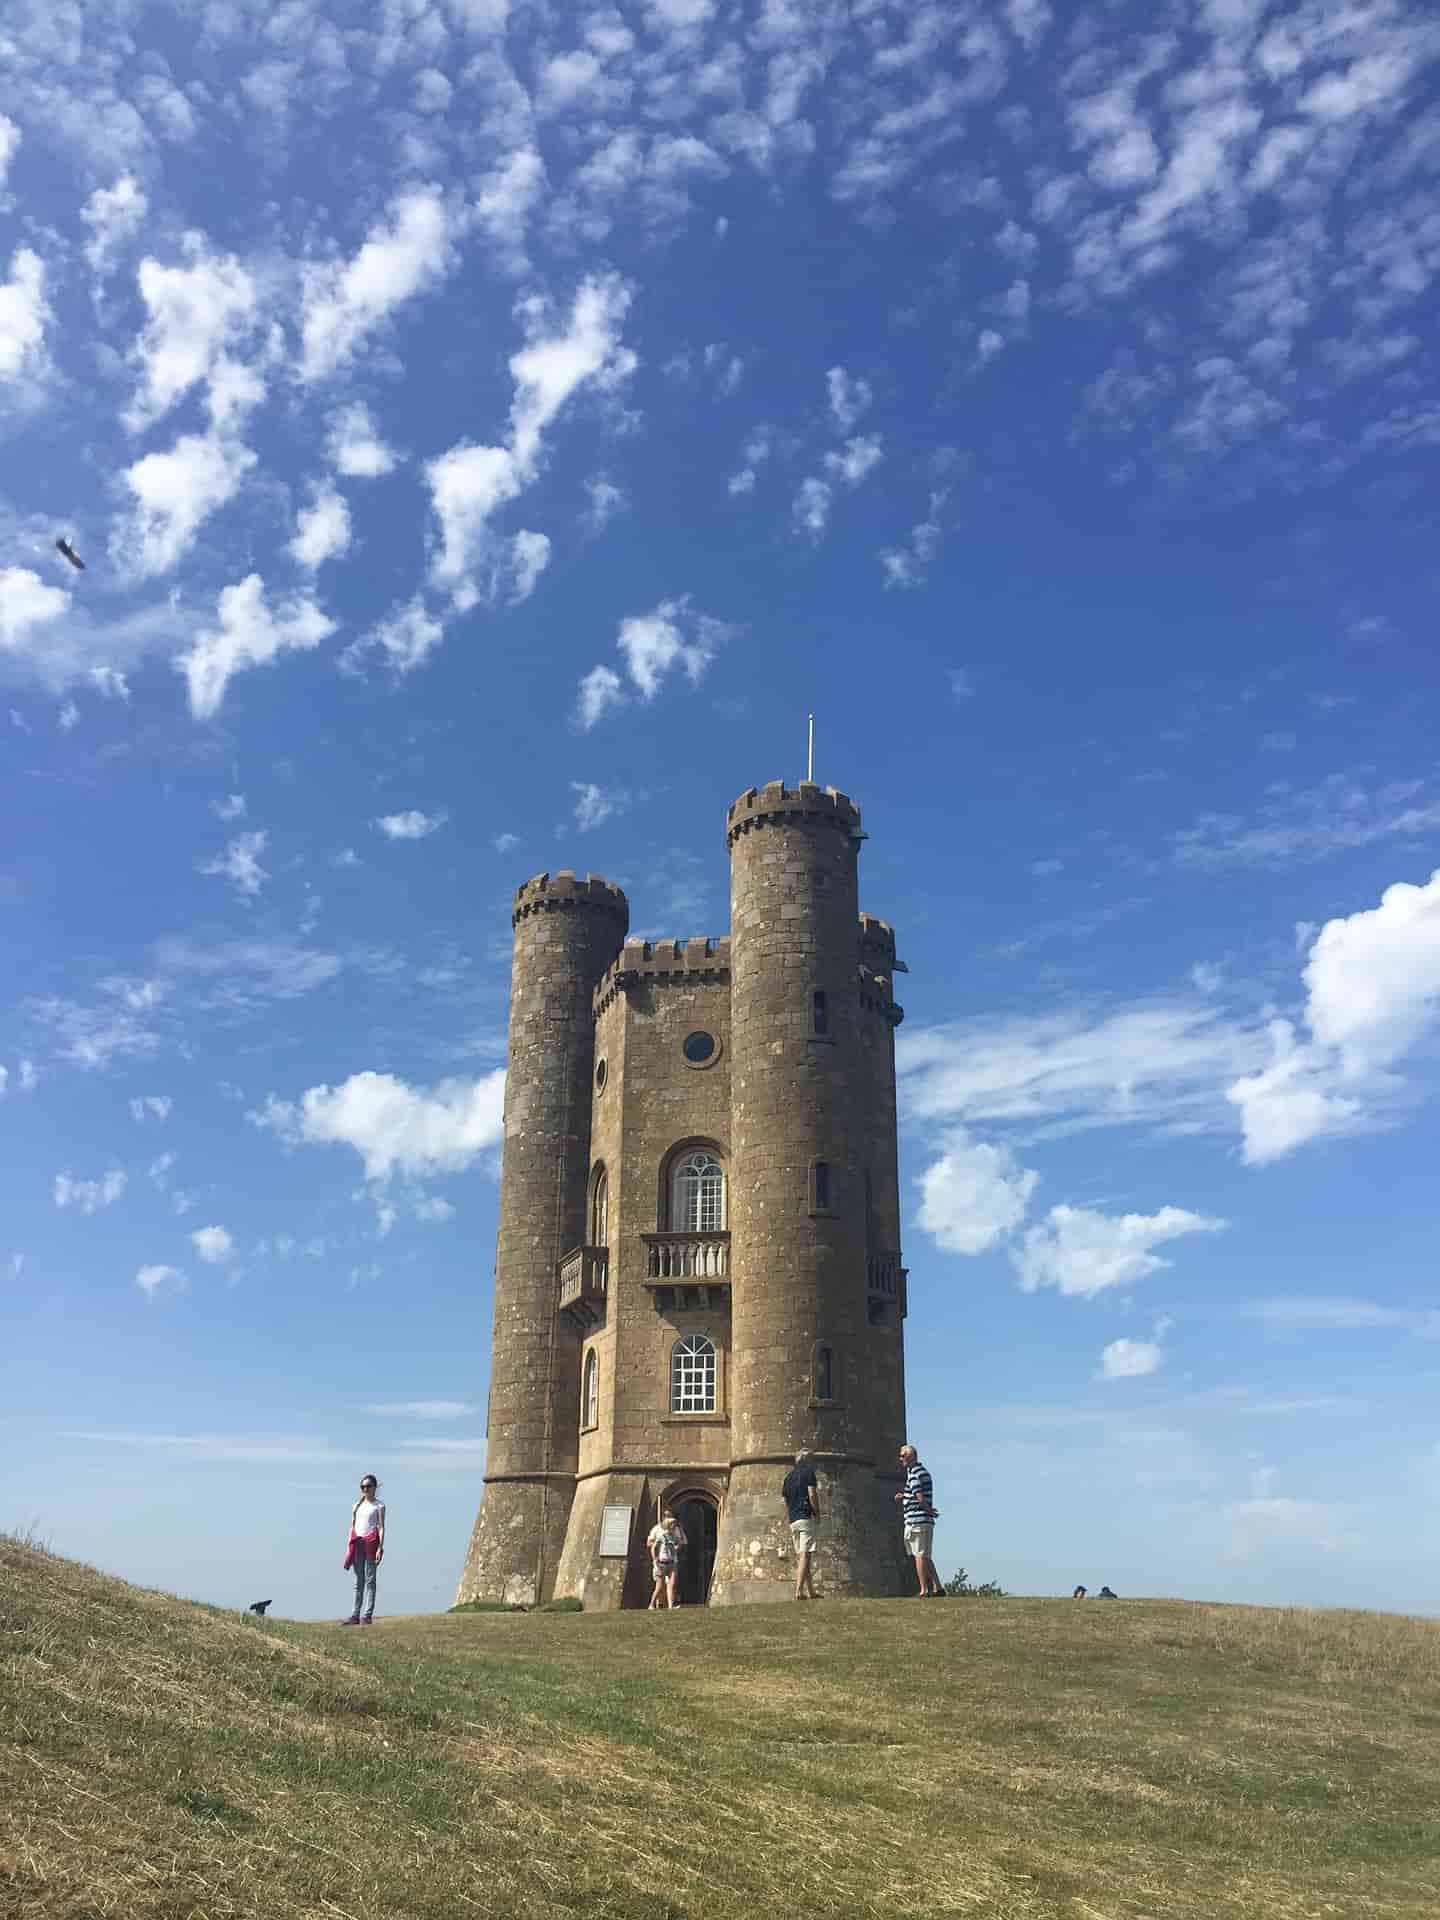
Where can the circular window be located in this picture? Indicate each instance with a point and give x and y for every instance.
(698, 1048)
(602, 1074)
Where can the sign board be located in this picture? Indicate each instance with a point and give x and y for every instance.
(615, 1532)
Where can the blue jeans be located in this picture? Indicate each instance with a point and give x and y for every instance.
(364, 1584)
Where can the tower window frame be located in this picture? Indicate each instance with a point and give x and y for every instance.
(820, 1015)
(694, 1375)
(599, 1222)
(697, 1196)
(590, 1392)
(823, 1377)
(823, 1188)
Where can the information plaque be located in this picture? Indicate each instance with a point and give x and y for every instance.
(615, 1532)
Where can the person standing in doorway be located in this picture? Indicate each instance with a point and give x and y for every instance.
(666, 1540)
(365, 1549)
(917, 1498)
(802, 1509)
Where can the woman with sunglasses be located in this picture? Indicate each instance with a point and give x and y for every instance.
(364, 1549)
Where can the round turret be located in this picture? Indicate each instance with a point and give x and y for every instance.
(567, 932)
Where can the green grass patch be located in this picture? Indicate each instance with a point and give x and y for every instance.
(1026, 1759)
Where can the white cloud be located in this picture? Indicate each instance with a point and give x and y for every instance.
(1128, 1359)
(175, 493)
(858, 457)
(606, 500)
(158, 1283)
(592, 804)
(410, 825)
(194, 315)
(424, 1409)
(89, 1196)
(508, 196)
(905, 566)
(232, 807)
(1081, 1252)
(1291, 1101)
(248, 635)
(974, 1194)
(345, 302)
(322, 530)
(355, 447)
(396, 1128)
(529, 557)
(9, 145)
(24, 316)
(812, 507)
(27, 603)
(1264, 1525)
(29, 1078)
(1373, 979)
(213, 1244)
(433, 1210)
(849, 399)
(504, 842)
(652, 645)
(406, 638)
(113, 215)
(151, 1106)
(670, 636)
(600, 689)
(470, 483)
(69, 717)
(1300, 1314)
(240, 864)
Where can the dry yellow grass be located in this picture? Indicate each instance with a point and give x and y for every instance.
(1025, 1759)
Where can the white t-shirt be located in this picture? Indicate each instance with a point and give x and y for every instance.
(664, 1543)
(369, 1514)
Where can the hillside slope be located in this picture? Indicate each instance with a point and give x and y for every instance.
(1023, 1759)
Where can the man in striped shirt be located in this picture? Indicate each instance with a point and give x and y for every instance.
(917, 1499)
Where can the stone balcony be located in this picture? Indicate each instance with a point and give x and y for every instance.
(885, 1287)
(688, 1269)
(584, 1283)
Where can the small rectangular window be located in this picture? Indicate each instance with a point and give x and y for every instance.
(820, 1018)
(824, 1382)
(822, 1185)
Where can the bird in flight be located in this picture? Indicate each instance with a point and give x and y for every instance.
(62, 545)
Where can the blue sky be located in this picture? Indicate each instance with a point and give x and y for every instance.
(489, 431)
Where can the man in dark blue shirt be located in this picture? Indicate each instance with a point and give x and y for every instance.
(917, 1499)
(802, 1509)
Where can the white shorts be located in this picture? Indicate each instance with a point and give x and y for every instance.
(802, 1535)
(920, 1539)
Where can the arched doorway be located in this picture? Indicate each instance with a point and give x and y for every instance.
(697, 1514)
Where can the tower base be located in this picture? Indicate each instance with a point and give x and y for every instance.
(514, 1552)
(859, 1550)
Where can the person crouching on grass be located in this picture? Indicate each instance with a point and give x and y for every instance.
(918, 1508)
(665, 1540)
(365, 1549)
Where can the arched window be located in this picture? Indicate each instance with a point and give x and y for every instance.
(692, 1375)
(590, 1391)
(600, 1211)
(697, 1194)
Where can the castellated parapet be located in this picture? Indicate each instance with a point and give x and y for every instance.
(698, 1268)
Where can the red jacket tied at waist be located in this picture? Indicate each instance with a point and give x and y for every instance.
(366, 1544)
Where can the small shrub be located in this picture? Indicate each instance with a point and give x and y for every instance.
(489, 1606)
(567, 1604)
(959, 1588)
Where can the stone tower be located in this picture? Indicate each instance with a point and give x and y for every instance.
(698, 1269)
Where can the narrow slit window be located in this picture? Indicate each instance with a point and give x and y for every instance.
(824, 1373)
(819, 1015)
(822, 1186)
(590, 1400)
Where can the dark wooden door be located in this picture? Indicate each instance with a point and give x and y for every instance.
(697, 1563)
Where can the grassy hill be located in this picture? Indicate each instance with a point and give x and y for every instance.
(1012, 1758)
